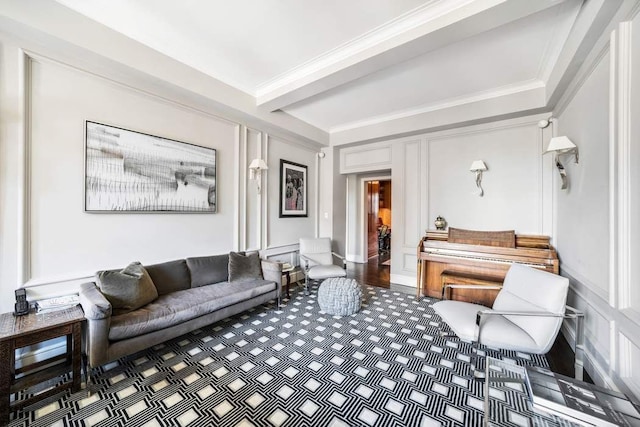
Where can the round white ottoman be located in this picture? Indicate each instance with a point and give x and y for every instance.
(339, 296)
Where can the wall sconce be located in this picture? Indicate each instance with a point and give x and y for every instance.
(478, 167)
(255, 171)
(560, 145)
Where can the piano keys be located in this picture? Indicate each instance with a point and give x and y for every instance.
(483, 254)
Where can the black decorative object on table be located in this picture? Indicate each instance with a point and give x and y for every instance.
(21, 306)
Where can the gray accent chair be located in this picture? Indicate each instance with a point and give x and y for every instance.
(316, 257)
(526, 316)
(193, 293)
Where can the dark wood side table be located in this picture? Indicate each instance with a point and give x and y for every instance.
(21, 331)
(287, 273)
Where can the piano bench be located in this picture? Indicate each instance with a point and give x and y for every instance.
(452, 278)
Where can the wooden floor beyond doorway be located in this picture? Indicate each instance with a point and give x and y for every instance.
(371, 273)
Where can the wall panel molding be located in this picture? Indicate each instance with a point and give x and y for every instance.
(630, 363)
(411, 194)
(240, 184)
(586, 285)
(44, 59)
(412, 182)
(543, 170)
(44, 286)
(264, 222)
(623, 164)
(625, 154)
(366, 158)
(24, 170)
(615, 367)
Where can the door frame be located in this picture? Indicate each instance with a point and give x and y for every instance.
(362, 218)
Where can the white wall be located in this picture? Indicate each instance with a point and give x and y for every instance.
(585, 203)
(512, 191)
(288, 230)
(339, 206)
(598, 217)
(49, 244)
(67, 241)
(431, 177)
(325, 190)
(57, 242)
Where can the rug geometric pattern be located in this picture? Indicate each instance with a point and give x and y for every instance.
(383, 366)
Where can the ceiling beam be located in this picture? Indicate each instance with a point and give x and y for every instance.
(589, 26)
(436, 25)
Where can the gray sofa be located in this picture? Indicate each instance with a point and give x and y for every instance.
(192, 293)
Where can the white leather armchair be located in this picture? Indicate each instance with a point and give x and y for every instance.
(316, 258)
(526, 315)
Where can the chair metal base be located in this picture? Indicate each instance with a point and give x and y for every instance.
(477, 364)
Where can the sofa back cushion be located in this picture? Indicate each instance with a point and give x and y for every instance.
(170, 276)
(206, 270)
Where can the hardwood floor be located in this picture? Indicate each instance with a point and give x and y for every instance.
(374, 273)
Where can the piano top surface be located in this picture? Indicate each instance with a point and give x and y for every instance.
(526, 246)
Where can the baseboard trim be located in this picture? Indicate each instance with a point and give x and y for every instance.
(408, 281)
(402, 288)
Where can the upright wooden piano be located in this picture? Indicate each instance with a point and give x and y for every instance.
(473, 254)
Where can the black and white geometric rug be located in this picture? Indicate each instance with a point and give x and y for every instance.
(384, 366)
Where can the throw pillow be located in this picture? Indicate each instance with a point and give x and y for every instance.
(128, 289)
(244, 267)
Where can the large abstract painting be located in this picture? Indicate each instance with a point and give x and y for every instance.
(135, 172)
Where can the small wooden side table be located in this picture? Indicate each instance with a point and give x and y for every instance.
(287, 270)
(21, 331)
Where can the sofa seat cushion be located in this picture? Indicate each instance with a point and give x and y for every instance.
(181, 306)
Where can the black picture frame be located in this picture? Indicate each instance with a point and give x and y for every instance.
(293, 190)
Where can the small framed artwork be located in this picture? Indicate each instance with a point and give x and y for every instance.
(128, 171)
(293, 189)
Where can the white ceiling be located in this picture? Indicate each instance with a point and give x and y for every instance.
(347, 64)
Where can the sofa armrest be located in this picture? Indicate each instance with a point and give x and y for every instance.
(97, 311)
(272, 271)
(94, 304)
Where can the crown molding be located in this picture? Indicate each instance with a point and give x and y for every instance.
(508, 102)
(443, 105)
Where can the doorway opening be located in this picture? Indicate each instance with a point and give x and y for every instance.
(379, 220)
